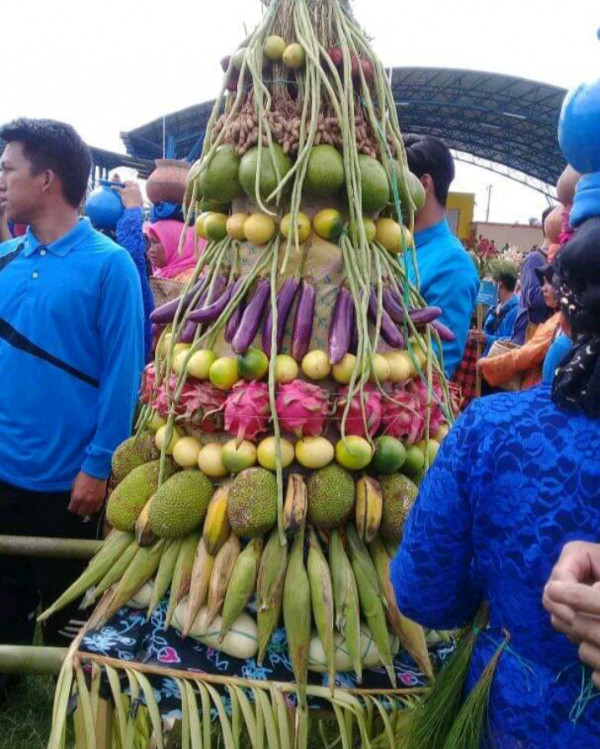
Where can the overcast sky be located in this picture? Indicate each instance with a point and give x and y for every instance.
(113, 65)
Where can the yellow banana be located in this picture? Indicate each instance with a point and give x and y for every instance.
(216, 524)
(296, 503)
(219, 578)
(368, 507)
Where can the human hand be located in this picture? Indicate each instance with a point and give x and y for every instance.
(131, 195)
(87, 494)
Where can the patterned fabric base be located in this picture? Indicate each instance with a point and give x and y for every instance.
(129, 637)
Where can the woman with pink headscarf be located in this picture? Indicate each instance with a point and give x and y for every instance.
(163, 253)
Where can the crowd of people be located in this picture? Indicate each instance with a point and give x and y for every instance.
(512, 493)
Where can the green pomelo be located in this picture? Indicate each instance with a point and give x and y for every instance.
(330, 497)
(399, 494)
(252, 503)
(325, 172)
(268, 175)
(374, 183)
(132, 453)
(128, 499)
(179, 506)
(412, 188)
(220, 182)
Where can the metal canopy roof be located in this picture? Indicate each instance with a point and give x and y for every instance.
(504, 123)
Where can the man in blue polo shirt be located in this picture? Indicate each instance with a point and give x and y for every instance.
(447, 274)
(71, 353)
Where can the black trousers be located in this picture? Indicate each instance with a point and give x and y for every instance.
(26, 582)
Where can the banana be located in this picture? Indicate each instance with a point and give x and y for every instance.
(216, 524)
(143, 534)
(296, 503)
(220, 575)
(368, 508)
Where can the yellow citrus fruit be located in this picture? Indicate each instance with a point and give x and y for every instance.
(389, 234)
(235, 226)
(215, 226)
(353, 453)
(315, 365)
(328, 223)
(200, 362)
(401, 366)
(209, 460)
(293, 56)
(380, 369)
(370, 228)
(238, 457)
(223, 373)
(161, 436)
(274, 47)
(186, 451)
(156, 422)
(286, 369)
(199, 225)
(314, 452)
(304, 227)
(178, 361)
(259, 229)
(266, 453)
(342, 371)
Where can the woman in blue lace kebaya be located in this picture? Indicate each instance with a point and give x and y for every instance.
(516, 479)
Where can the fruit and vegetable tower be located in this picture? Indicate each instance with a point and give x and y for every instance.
(295, 401)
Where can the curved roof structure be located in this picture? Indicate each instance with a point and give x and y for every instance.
(502, 122)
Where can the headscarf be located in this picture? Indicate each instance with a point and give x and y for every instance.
(577, 284)
(168, 234)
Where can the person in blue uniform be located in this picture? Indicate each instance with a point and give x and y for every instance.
(446, 274)
(499, 322)
(515, 480)
(71, 355)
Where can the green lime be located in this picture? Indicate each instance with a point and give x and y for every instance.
(253, 364)
(353, 453)
(415, 460)
(390, 455)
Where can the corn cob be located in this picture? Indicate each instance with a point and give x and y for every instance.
(410, 634)
(296, 503)
(143, 533)
(269, 588)
(164, 575)
(111, 551)
(345, 596)
(114, 574)
(372, 598)
(216, 523)
(297, 615)
(182, 575)
(219, 578)
(321, 594)
(242, 584)
(201, 572)
(142, 568)
(368, 507)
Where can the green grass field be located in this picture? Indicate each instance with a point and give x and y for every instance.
(25, 717)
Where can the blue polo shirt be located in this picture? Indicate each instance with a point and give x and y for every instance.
(71, 353)
(448, 280)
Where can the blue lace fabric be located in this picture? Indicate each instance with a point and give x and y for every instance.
(516, 479)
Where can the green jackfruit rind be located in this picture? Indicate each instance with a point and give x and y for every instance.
(252, 503)
(399, 494)
(132, 453)
(179, 506)
(128, 499)
(330, 497)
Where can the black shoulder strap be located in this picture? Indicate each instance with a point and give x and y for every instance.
(6, 259)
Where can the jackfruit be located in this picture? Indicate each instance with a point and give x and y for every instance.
(330, 497)
(399, 494)
(179, 506)
(128, 499)
(252, 503)
(132, 453)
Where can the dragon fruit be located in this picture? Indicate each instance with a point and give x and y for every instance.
(247, 410)
(402, 415)
(148, 389)
(201, 405)
(419, 389)
(302, 408)
(355, 423)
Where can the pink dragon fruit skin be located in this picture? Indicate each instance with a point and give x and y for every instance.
(247, 410)
(436, 418)
(302, 408)
(147, 391)
(201, 404)
(402, 415)
(355, 424)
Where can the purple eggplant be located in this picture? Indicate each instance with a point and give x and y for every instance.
(165, 313)
(212, 311)
(188, 332)
(392, 305)
(285, 301)
(340, 330)
(236, 315)
(444, 331)
(424, 315)
(389, 330)
(303, 322)
(251, 318)
(353, 333)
